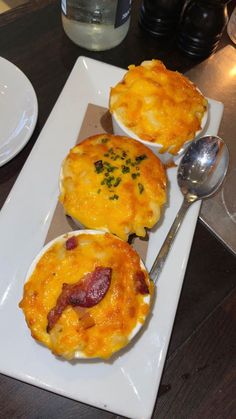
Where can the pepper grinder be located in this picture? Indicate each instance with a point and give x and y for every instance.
(201, 26)
(160, 17)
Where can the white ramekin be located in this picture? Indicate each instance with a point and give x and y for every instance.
(62, 239)
(120, 129)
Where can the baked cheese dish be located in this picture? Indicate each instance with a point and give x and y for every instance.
(86, 295)
(158, 105)
(113, 183)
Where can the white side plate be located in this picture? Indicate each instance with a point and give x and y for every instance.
(18, 110)
(129, 384)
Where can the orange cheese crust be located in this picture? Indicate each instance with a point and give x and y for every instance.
(158, 105)
(113, 319)
(113, 183)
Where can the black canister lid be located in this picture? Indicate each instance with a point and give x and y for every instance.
(160, 17)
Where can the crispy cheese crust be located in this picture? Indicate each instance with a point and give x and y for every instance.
(111, 321)
(113, 183)
(158, 105)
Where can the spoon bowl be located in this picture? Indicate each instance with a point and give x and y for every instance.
(201, 172)
(203, 167)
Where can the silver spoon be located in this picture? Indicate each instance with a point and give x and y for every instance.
(200, 173)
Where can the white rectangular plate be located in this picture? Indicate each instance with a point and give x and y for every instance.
(128, 385)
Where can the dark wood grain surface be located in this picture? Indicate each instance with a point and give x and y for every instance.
(199, 377)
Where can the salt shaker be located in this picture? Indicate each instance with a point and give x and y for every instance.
(201, 26)
(96, 25)
(160, 17)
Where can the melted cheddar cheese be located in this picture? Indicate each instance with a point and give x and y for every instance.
(113, 318)
(113, 183)
(158, 105)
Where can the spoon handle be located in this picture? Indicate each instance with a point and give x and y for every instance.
(162, 255)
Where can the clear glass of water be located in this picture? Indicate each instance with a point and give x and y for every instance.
(96, 24)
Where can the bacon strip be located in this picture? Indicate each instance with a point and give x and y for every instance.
(87, 292)
(71, 243)
(140, 283)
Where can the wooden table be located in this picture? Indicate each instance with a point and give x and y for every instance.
(199, 378)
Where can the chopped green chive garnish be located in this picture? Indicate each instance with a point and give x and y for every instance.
(107, 168)
(113, 197)
(141, 158)
(117, 181)
(125, 169)
(135, 175)
(141, 188)
(99, 166)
